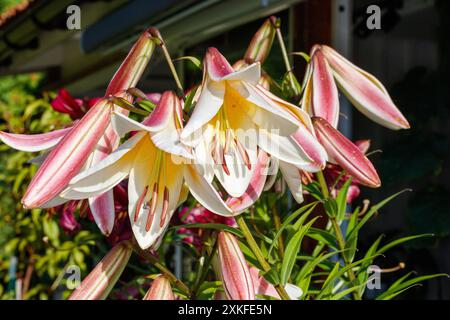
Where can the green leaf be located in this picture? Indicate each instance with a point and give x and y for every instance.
(341, 200)
(303, 55)
(371, 212)
(215, 226)
(309, 208)
(323, 236)
(291, 252)
(195, 61)
(402, 240)
(401, 287)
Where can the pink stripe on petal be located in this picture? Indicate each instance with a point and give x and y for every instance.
(69, 156)
(346, 154)
(236, 277)
(33, 142)
(102, 209)
(101, 280)
(365, 92)
(216, 64)
(325, 99)
(160, 117)
(160, 290)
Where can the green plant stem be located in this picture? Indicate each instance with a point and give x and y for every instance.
(154, 261)
(205, 268)
(337, 230)
(277, 221)
(173, 70)
(258, 254)
(285, 56)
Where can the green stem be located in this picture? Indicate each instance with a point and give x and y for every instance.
(284, 53)
(205, 268)
(337, 230)
(258, 254)
(173, 70)
(277, 221)
(154, 261)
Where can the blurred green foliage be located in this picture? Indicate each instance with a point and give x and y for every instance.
(32, 238)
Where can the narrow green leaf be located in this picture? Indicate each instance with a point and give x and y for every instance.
(215, 226)
(291, 252)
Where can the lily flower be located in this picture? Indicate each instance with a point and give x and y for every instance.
(86, 143)
(343, 152)
(75, 108)
(365, 91)
(156, 164)
(232, 118)
(234, 271)
(100, 281)
(160, 290)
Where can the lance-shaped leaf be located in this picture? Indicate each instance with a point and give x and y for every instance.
(365, 91)
(236, 277)
(343, 152)
(160, 290)
(98, 284)
(261, 43)
(321, 97)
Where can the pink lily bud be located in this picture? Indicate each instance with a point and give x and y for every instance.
(72, 152)
(261, 43)
(236, 277)
(321, 97)
(100, 281)
(160, 290)
(343, 152)
(365, 91)
(363, 145)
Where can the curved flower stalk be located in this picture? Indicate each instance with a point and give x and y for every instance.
(86, 143)
(160, 290)
(232, 118)
(156, 164)
(343, 152)
(100, 281)
(365, 91)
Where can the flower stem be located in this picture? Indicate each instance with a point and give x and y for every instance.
(285, 55)
(173, 70)
(154, 261)
(277, 222)
(337, 230)
(205, 268)
(258, 254)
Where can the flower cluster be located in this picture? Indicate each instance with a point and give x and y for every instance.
(218, 143)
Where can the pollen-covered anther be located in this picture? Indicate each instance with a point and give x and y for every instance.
(140, 203)
(151, 213)
(165, 206)
(244, 154)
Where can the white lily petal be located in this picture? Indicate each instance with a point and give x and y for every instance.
(293, 178)
(104, 175)
(250, 74)
(205, 193)
(209, 103)
(283, 148)
(56, 201)
(123, 124)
